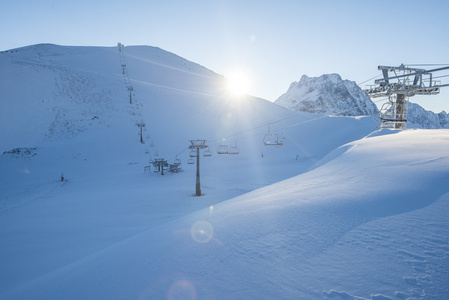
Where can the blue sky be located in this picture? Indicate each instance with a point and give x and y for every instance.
(276, 42)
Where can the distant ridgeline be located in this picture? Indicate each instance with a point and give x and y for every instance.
(329, 94)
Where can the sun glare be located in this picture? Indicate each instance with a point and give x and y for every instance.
(238, 83)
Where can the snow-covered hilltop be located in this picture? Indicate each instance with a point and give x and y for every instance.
(341, 211)
(330, 95)
(327, 94)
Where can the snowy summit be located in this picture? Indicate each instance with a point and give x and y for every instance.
(341, 211)
(330, 95)
(327, 94)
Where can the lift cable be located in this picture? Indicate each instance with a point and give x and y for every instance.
(295, 114)
(321, 117)
(296, 124)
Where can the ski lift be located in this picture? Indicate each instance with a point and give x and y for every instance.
(156, 154)
(234, 149)
(147, 151)
(222, 149)
(390, 114)
(151, 144)
(190, 161)
(192, 153)
(207, 152)
(272, 139)
(281, 142)
(177, 161)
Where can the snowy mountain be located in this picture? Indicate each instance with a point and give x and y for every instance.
(330, 95)
(426, 119)
(341, 211)
(327, 94)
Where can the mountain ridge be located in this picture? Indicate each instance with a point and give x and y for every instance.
(329, 94)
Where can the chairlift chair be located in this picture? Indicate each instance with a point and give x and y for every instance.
(234, 149)
(192, 153)
(222, 149)
(389, 115)
(177, 161)
(271, 139)
(281, 142)
(207, 152)
(190, 161)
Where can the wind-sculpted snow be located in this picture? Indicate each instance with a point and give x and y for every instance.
(345, 229)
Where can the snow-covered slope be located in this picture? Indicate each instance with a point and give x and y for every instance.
(337, 231)
(366, 219)
(71, 104)
(327, 94)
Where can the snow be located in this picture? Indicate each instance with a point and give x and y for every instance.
(342, 211)
(327, 94)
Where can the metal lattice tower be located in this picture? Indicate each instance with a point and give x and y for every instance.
(141, 125)
(398, 84)
(198, 144)
(159, 164)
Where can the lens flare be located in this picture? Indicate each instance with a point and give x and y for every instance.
(202, 231)
(182, 290)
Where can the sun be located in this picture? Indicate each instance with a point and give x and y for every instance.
(238, 83)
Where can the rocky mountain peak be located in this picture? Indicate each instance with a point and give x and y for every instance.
(327, 94)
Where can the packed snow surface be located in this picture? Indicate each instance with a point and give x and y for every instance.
(342, 211)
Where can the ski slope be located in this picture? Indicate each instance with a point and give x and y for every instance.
(342, 211)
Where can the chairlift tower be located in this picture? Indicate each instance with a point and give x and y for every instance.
(159, 164)
(141, 125)
(398, 84)
(130, 89)
(198, 144)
